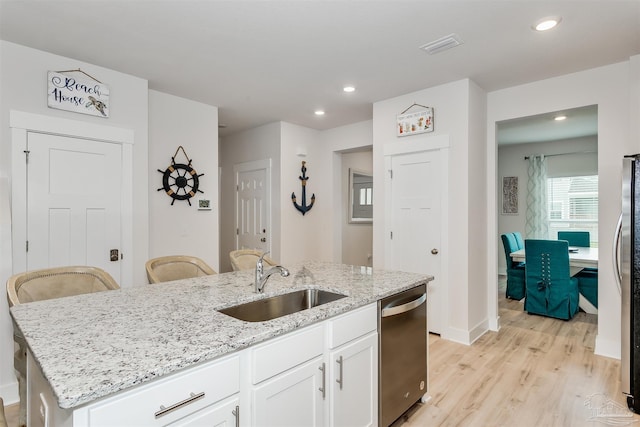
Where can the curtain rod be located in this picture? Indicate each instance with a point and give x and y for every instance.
(564, 154)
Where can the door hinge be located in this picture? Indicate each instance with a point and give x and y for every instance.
(26, 155)
(27, 246)
(237, 231)
(391, 235)
(390, 173)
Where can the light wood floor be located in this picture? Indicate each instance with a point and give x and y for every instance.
(11, 413)
(536, 371)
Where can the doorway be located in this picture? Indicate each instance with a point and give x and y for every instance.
(570, 147)
(357, 236)
(63, 143)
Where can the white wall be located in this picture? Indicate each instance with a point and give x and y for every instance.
(357, 238)
(23, 87)
(305, 237)
(511, 162)
(259, 143)
(459, 113)
(182, 229)
(609, 88)
(317, 234)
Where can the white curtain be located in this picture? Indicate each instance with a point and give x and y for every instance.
(537, 226)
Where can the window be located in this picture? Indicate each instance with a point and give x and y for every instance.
(573, 205)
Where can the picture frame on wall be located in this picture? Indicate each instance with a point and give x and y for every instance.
(510, 195)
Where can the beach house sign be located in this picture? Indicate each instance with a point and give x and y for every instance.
(70, 93)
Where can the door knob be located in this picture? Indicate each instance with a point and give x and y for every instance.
(434, 251)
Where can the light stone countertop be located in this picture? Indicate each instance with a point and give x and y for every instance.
(90, 346)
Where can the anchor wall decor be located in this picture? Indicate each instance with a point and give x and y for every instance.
(303, 208)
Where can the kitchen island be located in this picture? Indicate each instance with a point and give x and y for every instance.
(92, 346)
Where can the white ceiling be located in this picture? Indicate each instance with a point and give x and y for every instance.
(579, 122)
(265, 61)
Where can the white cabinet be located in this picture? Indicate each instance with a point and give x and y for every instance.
(293, 398)
(353, 368)
(222, 414)
(193, 397)
(166, 400)
(296, 379)
(354, 383)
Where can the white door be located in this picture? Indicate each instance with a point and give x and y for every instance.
(416, 223)
(253, 205)
(73, 202)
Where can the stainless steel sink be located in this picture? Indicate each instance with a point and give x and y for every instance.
(281, 305)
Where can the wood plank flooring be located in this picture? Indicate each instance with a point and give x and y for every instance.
(536, 371)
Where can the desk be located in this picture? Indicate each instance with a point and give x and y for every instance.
(585, 257)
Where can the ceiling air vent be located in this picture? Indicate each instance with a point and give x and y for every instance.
(442, 44)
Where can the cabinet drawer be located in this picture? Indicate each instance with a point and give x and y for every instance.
(187, 391)
(284, 353)
(352, 325)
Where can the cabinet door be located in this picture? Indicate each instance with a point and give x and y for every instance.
(222, 414)
(294, 398)
(354, 383)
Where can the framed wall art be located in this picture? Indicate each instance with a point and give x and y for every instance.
(510, 195)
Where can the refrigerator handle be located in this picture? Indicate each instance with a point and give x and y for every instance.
(616, 254)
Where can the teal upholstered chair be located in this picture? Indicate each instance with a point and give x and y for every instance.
(551, 291)
(588, 285)
(515, 270)
(519, 240)
(576, 238)
(588, 277)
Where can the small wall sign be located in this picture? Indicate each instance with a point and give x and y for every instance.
(416, 122)
(70, 93)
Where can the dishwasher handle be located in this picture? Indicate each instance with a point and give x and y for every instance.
(399, 309)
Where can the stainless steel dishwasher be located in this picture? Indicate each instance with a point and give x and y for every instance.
(403, 352)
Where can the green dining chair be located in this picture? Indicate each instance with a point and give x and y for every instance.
(551, 291)
(515, 270)
(576, 238)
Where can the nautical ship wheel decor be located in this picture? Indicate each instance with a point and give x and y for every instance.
(180, 181)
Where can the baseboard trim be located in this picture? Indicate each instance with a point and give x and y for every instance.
(607, 348)
(9, 393)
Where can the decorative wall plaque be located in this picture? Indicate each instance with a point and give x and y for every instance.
(72, 93)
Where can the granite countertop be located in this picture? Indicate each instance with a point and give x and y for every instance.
(90, 346)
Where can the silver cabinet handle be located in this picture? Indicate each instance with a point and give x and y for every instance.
(399, 309)
(192, 398)
(323, 389)
(236, 413)
(339, 380)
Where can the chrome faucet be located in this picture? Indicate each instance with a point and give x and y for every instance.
(261, 276)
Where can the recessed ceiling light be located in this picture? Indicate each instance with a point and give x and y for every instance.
(560, 118)
(547, 23)
(349, 89)
(319, 113)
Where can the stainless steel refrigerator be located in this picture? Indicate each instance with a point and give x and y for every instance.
(627, 254)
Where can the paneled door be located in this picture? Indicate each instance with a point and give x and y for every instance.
(416, 223)
(74, 188)
(253, 205)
